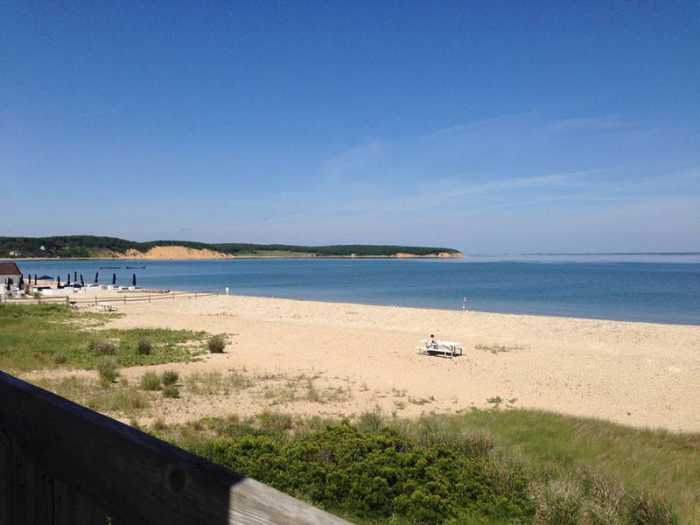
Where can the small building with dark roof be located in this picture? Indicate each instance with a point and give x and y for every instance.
(9, 270)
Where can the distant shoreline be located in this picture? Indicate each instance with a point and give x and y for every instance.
(93, 247)
(233, 257)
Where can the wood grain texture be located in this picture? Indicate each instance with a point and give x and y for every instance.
(87, 466)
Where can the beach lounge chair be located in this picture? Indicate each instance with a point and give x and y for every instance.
(449, 349)
(108, 307)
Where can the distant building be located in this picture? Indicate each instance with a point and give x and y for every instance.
(9, 270)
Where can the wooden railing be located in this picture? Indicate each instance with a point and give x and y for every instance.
(63, 464)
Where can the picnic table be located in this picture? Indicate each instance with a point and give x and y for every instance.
(449, 349)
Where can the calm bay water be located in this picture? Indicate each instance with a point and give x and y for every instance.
(648, 288)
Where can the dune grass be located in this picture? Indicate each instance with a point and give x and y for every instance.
(554, 446)
(53, 336)
(119, 399)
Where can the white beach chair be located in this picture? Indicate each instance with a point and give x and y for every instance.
(108, 307)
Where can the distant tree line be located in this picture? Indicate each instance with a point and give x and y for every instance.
(68, 246)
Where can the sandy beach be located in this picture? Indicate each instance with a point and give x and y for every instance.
(362, 357)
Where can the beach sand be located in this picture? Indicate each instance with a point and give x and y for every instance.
(638, 374)
(359, 357)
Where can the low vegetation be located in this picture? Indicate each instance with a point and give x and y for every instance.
(216, 383)
(150, 381)
(216, 344)
(499, 349)
(118, 398)
(108, 370)
(144, 347)
(169, 377)
(51, 336)
(493, 466)
(171, 391)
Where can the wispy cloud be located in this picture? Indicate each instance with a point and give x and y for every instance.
(594, 124)
(356, 158)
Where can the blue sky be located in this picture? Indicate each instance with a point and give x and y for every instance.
(488, 126)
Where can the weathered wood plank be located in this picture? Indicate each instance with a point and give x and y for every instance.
(136, 478)
(62, 504)
(71, 507)
(20, 499)
(5, 480)
(86, 511)
(41, 494)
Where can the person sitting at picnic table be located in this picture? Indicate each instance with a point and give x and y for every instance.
(432, 342)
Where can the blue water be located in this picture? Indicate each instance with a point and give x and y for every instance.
(654, 289)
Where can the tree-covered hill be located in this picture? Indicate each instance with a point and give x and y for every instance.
(92, 246)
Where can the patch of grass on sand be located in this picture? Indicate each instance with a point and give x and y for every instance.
(119, 399)
(53, 336)
(216, 383)
(577, 470)
(284, 390)
(499, 349)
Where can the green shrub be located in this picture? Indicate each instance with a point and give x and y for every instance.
(171, 391)
(59, 358)
(379, 474)
(150, 381)
(216, 344)
(107, 369)
(144, 347)
(102, 347)
(170, 377)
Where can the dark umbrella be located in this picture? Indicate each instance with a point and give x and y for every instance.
(68, 279)
(21, 282)
(35, 279)
(75, 276)
(9, 284)
(133, 280)
(58, 281)
(114, 278)
(82, 283)
(97, 275)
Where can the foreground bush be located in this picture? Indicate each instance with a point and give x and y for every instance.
(216, 344)
(102, 347)
(171, 391)
(379, 475)
(150, 381)
(144, 347)
(170, 377)
(107, 369)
